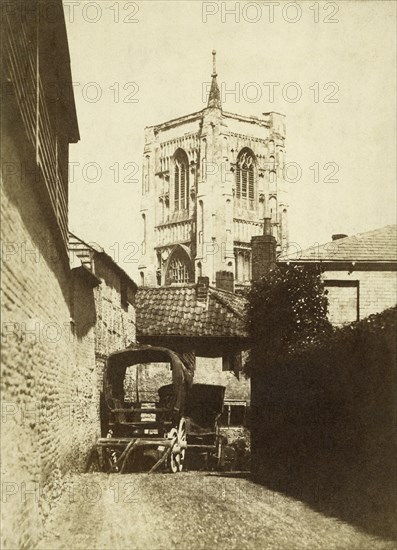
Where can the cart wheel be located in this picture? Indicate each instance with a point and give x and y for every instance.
(177, 456)
(182, 442)
(173, 434)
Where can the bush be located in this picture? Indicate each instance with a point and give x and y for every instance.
(324, 421)
(287, 311)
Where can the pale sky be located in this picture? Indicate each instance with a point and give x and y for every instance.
(162, 61)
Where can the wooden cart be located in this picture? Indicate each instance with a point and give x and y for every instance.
(139, 435)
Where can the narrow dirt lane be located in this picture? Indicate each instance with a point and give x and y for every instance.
(191, 511)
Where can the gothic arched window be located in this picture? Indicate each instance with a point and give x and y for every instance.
(179, 271)
(245, 177)
(181, 181)
(179, 268)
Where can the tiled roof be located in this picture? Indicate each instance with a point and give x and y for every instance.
(176, 311)
(379, 245)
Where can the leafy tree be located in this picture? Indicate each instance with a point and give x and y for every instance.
(287, 311)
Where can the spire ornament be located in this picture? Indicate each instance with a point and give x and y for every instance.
(214, 99)
(214, 73)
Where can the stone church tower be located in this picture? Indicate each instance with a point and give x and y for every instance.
(208, 181)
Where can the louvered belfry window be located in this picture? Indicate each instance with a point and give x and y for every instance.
(245, 178)
(181, 182)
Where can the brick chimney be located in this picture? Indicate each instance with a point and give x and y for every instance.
(202, 288)
(338, 236)
(224, 280)
(263, 251)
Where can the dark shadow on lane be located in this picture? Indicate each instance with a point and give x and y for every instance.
(233, 475)
(357, 493)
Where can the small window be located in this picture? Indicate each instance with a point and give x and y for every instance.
(234, 414)
(232, 362)
(237, 415)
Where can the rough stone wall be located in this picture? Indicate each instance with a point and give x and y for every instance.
(377, 292)
(47, 385)
(115, 323)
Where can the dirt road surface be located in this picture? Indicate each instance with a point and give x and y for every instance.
(191, 511)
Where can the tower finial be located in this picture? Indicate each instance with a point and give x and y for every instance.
(214, 63)
(214, 99)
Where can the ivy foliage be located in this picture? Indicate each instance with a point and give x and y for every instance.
(287, 311)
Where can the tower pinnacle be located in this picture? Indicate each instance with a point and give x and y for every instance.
(214, 63)
(214, 99)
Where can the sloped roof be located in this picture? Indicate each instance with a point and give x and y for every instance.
(85, 253)
(176, 311)
(379, 245)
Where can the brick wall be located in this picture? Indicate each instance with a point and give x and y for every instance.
(48, 376)
(263, 252)
(83, 337)
(377, 291)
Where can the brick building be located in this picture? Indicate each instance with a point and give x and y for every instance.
(360, 272)
(209, 179)
(58, 320)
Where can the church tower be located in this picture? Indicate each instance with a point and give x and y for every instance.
(208, 181)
